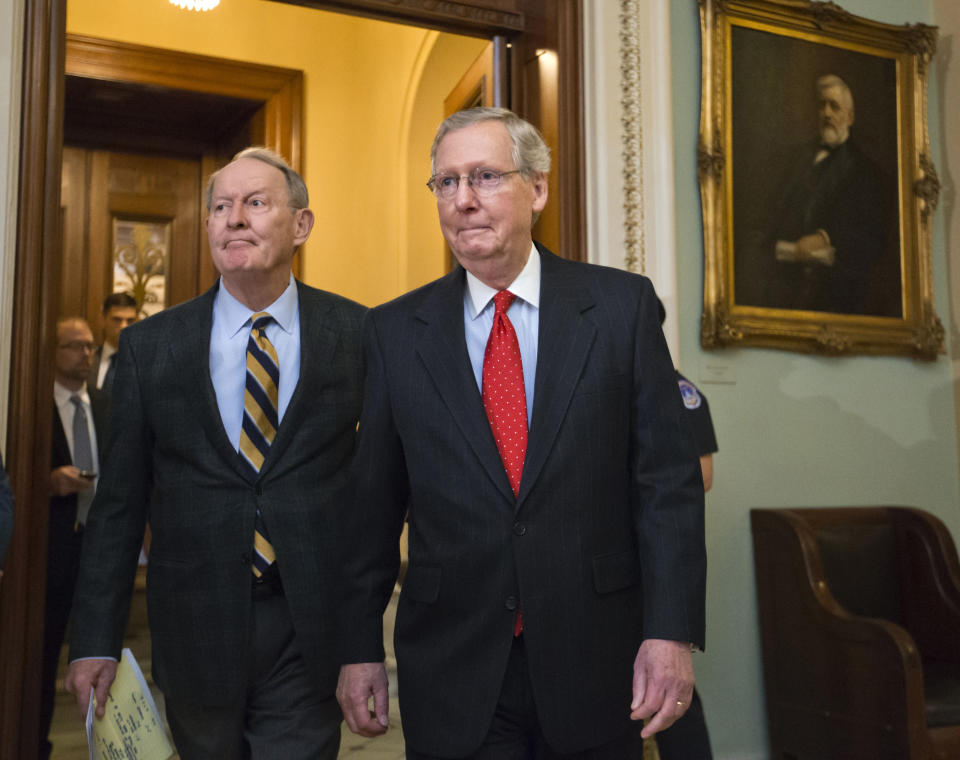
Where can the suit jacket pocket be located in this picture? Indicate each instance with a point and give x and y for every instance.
(603, 383)
(613, 572)
(171, 574)
(422, 583)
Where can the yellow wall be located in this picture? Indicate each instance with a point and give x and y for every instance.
(444, 59)
(360, 79)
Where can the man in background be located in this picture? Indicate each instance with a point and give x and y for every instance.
(79, 426)
(522, 413)
(119, 311)
(236, 417)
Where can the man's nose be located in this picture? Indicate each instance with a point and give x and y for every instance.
(466, 196)
(237, 215)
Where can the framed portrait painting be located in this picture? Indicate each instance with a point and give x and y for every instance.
(816, 182)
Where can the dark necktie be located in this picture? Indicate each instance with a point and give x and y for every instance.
(82, 455)
(260, 422)
(108, 376)
(505, 398)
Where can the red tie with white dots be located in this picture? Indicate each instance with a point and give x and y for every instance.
(505, 398)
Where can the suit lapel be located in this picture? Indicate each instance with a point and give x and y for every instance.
(318, 344)
(59, 447)
(565, 339)
(442, 347)
(190, 349)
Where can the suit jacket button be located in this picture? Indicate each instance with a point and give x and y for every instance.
(244, 559)
(511, 603)
(258, 490)
(519, 529)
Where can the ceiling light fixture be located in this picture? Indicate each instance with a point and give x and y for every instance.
(196, 5)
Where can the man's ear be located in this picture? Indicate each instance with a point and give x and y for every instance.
(304, 224)
(539, 184)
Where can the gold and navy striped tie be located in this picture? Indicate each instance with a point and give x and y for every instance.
(260, 421)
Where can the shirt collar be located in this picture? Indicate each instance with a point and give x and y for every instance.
(62, 394)
(235, 316)
(525, 287)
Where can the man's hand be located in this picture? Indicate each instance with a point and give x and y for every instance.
(96, 673)
(662, 684)
(66, 480)
(357, 683)
(815, 249)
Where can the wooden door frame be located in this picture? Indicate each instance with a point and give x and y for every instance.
(532, 24)
(279, 89)
(278, 124)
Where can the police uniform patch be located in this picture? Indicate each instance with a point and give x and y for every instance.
(691, 396)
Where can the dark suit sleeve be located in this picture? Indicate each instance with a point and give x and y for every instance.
(379, 481)
(6, 513)
(667, 490)
(118, 516)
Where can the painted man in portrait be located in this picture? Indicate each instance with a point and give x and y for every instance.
(827, 245)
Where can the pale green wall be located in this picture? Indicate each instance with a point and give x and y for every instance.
(796, 430)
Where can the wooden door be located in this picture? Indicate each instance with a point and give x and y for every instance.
(481, 84)
(130, 223)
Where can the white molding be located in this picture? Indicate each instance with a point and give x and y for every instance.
(601, 131)
(11, 79)
(629, 152)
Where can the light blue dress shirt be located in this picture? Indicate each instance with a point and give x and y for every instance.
(228, 352)
(524, 314)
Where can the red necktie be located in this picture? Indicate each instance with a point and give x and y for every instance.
(505, 398)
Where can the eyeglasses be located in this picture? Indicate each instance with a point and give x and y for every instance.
(79, 345)
(483, 181)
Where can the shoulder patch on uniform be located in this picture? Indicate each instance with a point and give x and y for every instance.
(691, 396)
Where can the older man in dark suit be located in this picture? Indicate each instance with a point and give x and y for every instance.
(522, 413)
(236, 416)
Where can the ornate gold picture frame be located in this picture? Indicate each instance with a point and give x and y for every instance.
(816, 182)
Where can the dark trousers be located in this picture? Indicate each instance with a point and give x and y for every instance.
(280, 716)
(686, 739)
(515, 733)
(63, 561)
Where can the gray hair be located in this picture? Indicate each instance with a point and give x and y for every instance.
(296, 187)
(832, 80)
(531, 156)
